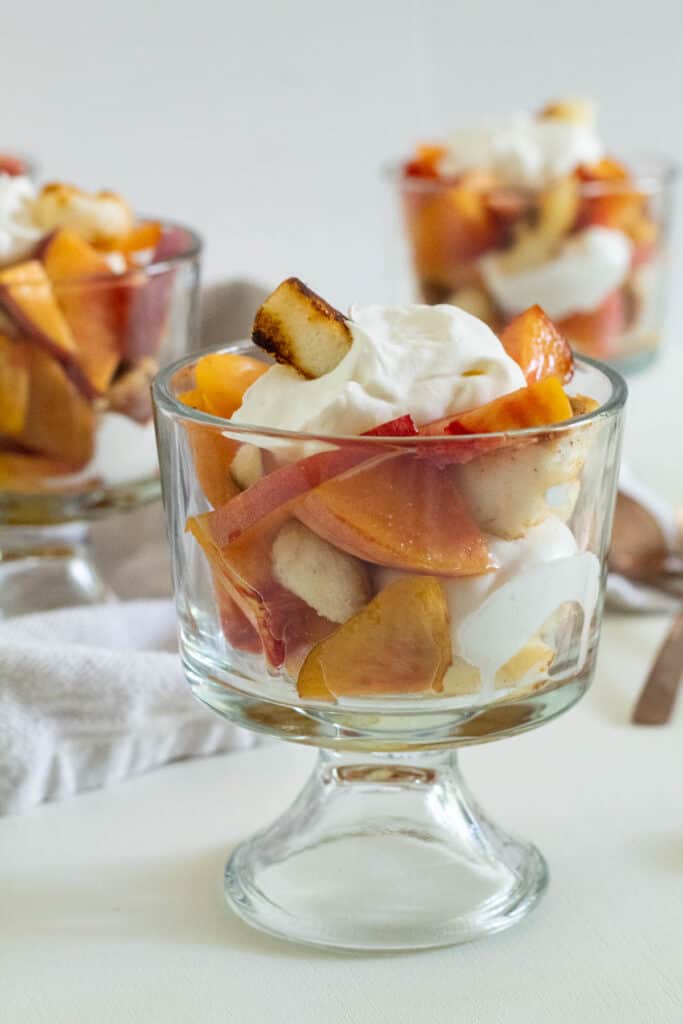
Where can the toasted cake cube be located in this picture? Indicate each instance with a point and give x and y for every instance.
(301, 330)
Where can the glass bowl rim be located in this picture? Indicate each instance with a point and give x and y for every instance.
(151, 269)
(652, 173)
(166, 401)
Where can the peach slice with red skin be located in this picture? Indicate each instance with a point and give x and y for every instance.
(94, 303)
(212, 454)
(452, 227)
(59, 421)
(283, 486)
(150, 295)
(236, 627)
(398, 511)
(537, 346)
(27, 473)
(220, 385)
(280, 489)
(27, 298)
(14, 386)
(399, 643)
(538, 405)
(287, 627)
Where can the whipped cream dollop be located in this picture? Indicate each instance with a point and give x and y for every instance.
(494, 615)
(429, 361)
(18, 230)
(586, 268)
(523, 150)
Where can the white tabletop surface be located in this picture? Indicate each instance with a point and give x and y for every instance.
(111, 906)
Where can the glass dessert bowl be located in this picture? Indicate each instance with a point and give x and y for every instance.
(412, 561)
(531, 209)
(92, 302)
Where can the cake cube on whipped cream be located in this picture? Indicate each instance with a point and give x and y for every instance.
(406, 531)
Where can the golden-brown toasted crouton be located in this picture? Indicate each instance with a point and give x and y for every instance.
(302, 330)
(577, 110)
(96, 216)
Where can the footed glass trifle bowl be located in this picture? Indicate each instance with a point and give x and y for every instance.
(533, 209)
(388, 594)
(92, 302)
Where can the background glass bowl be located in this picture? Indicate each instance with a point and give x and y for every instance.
(153, 311)
(386, 811)
(448, 227)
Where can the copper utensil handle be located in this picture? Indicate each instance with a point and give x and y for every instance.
(658, 695)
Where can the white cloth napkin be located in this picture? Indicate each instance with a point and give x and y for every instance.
(93, 695)
(621, 593)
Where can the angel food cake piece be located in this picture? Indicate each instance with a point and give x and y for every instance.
(440, 565)
(530, 208)
(81, 324)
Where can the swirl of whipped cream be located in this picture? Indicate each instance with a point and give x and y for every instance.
(429, 361)
(18, 229)
(588, 266)
(522, 150)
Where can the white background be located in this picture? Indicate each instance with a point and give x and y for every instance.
(264, 122)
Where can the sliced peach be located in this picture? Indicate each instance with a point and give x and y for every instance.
(606, 169)
(14, 386)
(537, 346)
(66, 255)
(212, 454)
(402, 426)
(222, 379)
(399, 643)
(287, 627)
(425, 163)
(280, 489)
(26, 296)
(60, 421)
(145, 235)
(237, 629)
(26, 473)
(147, 313)
(94, 302)
(151, 293)
(538, 405)
(597, 333)
(398, 511)
(447, 229)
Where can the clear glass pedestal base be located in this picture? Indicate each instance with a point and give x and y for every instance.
(384, 852)
(46, 567)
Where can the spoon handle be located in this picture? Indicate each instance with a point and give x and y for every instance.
(658, 695)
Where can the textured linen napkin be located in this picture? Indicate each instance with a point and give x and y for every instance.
(92, 695)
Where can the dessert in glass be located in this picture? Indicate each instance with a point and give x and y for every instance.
(388, 543)
(533, 209)
(92, 301)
